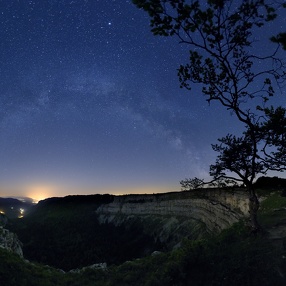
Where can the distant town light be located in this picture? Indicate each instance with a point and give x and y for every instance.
(21, 215)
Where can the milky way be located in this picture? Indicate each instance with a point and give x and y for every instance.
(90, 102)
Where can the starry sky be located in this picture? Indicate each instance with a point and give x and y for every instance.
(90, 103)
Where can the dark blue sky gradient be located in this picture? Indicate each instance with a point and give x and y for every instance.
(90, 102)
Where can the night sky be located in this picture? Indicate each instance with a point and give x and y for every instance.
(90, 102)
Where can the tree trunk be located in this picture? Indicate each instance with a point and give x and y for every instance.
(253, 209)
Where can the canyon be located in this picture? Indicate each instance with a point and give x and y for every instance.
(170, 217)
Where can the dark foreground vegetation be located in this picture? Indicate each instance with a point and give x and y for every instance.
(59, 232)
(232, 258)
(65, 233)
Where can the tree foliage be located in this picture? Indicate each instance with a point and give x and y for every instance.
(220, 35)
(280, 38)
(191, 184)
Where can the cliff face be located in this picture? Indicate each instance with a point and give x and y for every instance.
(10, 241)
(171, 216)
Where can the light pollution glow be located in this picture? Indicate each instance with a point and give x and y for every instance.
(41, 191)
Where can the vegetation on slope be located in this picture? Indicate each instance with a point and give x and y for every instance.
(231, 258)
(64, 233)
(273, 210)
(12, 207)
(14, 271)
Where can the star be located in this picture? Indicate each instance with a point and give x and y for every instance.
(91, 106)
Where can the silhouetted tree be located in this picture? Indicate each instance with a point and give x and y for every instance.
(191, 184)
(280, 38)
(224, 61)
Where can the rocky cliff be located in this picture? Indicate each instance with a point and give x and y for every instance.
(171, 216)
(10, 241)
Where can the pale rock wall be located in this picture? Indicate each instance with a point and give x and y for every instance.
(171, 216)
(10, 241)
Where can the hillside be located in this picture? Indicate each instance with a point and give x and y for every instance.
(57, 227)
(113, 229)
(77, 231)
(15, 208)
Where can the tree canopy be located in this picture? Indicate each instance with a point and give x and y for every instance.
(223, 60)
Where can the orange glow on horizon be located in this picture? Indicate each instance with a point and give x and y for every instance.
(40, 192)
(43, 190)
(139, 190)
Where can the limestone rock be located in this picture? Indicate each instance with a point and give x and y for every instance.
(171, 216)
(97, 266)
(10, 241)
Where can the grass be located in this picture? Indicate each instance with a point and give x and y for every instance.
(272, 210)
